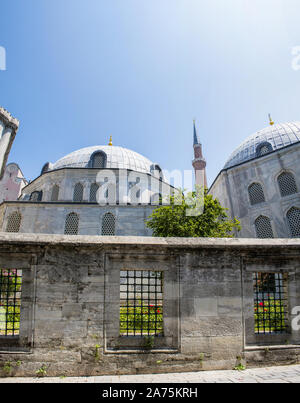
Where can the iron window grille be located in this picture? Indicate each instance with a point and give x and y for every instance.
(78, 192)
(293, 217)
(10, 301)
(256, 194)
(287, 184)
(71, 224)
(270, 303)
(263, 227)
(14, 222)
(141, 303)
(99, 160)
(36, 196)
(93, 192)
(108, 224)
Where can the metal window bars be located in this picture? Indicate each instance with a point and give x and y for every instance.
(270, 303)
(10, 301)
(141, 303)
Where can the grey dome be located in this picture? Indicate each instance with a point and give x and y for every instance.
(116, 157)
(271, 138)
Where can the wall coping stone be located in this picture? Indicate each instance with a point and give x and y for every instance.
(87, 240)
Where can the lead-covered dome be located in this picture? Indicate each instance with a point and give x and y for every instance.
(265, 141)
(114, 156)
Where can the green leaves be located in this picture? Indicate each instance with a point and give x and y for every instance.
(174, 219)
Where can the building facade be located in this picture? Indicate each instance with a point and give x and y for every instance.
(101, 190)
(12, 183)
(260, 183)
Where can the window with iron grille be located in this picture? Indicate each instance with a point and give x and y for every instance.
(10, 301)
(78, 192)
(36, 196)
(14, 222)
(293, 217)
(263, 149)
(108, 224)
(270, 303)
(141, 303)
(287, 184)
(93, 192)
(99, 160)
(256, 194)
(55, 192)
(263, 227)
(71, 224)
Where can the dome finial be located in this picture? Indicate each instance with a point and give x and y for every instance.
(271, 121)
(110, 141)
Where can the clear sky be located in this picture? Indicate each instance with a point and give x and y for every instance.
(141, 70)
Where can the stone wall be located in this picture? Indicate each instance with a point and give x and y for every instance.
(71, 299)
(50, 218)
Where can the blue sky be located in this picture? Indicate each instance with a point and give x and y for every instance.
(141, 70)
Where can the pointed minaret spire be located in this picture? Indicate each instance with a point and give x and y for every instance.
(196, 138)
(199, 162)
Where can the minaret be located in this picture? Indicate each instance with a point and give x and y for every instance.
(8, 129)
(199, 162)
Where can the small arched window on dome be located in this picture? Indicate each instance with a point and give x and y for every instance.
(156, 171)
(98, 160)
(263, 227)
(293, 217)
(256, 194)
(55, 193)
(71, 224)
(108, 224)
(78, 192)
(287, 184)
(45, 168)
(36, 196)
(14, 222)
(263, 149)
(93, 193)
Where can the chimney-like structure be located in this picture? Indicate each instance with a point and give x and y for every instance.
(199, 162)
(8, 130)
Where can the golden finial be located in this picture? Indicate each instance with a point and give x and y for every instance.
(271, 121)
(110, 141)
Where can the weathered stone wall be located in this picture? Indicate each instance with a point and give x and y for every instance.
(70, 304)
(50, 218)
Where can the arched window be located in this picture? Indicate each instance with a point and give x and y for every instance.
(71, 224)
(55, 192)
(156, 171)
(78, 192)
(98, 160)
(36, 196)
(263, 227)
(108, 224)
(287, 184)
(45, 168)
(263, 149)
(256, 194)
(93, 192)
(293, 217)
(14, 222)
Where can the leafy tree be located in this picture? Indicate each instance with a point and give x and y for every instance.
(192, 216)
